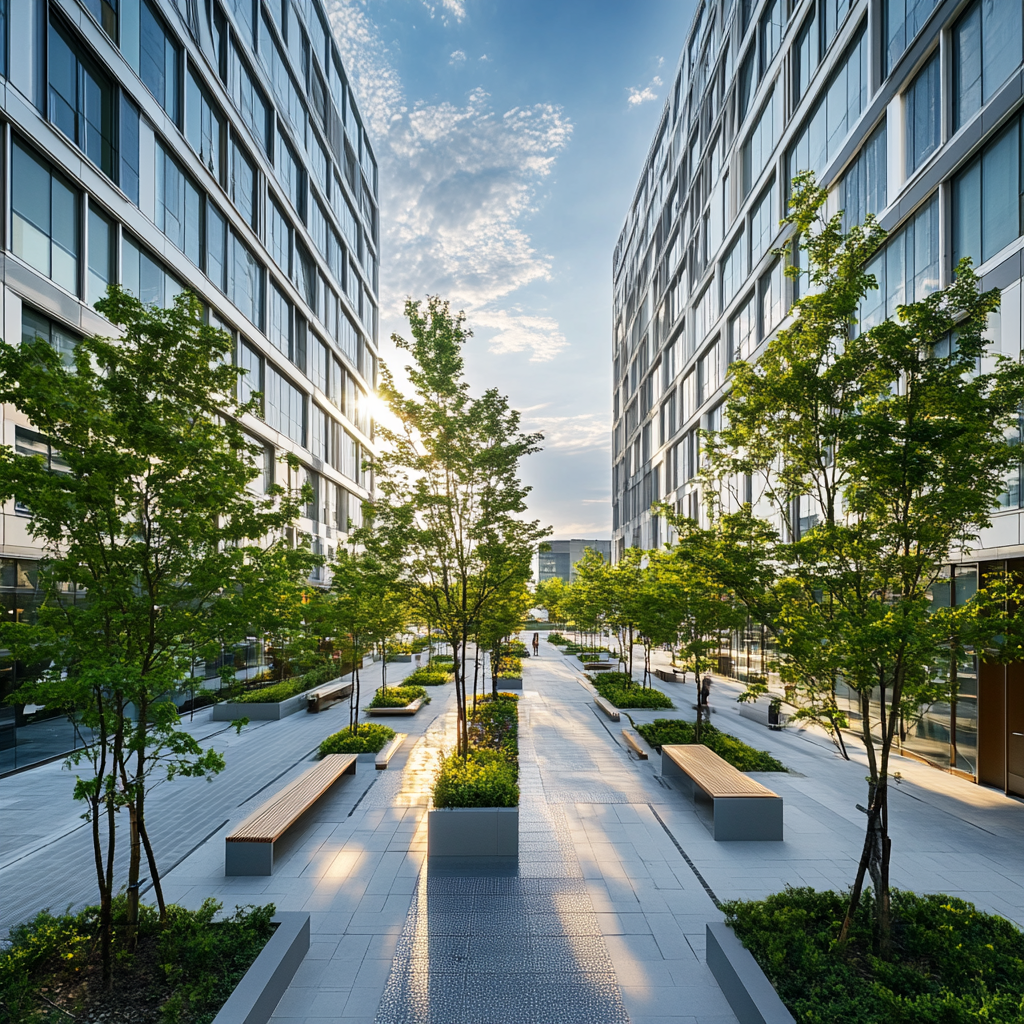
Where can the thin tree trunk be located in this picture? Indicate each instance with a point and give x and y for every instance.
(154, 873)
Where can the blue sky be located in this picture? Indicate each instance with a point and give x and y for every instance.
(510, 135)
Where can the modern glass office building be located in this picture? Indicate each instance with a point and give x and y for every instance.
(909, 109)
(560, 557)
(209, 145)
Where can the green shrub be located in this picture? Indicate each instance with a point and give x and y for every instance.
(616, 679)
(631, 696)
(494, 724)
(370, 739)
(487, 778)
(729, 748)
(187, 970)
(557, 639)
(290, 687)
(427, 676)
(398, 696)
(951, 963)
(443, 659)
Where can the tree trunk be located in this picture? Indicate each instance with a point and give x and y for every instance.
(696, 727)
(631, 651)
(953, 694)
(383, 666)
(154, 873)
(476, 668)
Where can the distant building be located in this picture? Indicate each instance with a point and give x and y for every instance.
(561, 560)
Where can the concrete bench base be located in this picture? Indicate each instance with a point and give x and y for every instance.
(473, 832)
(735, 818)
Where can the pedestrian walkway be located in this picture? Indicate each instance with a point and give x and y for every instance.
(602, 920)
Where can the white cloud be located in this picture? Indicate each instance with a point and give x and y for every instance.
(458, 182)
(484, 57)
(642, 95)
(585, 432)
(457, 57)
(448, 9)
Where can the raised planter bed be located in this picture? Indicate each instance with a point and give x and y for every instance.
(760, 710)
(409, 709)
(230, 711)
(256, 996)
(324, 697)
(598, 666)
(750, 994)
(668, 675)
(383, 758)
(399, 658)
(510, 682)
(473, 832)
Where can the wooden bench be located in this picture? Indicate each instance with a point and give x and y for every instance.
(249, 849)
(321, 700)
(742, 808)
(610, 710)
(389, 750)
(631, 738)
(408, 709)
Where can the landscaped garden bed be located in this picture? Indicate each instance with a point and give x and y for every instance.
(729, 748)
(620, 690)
(370, 739)
(950, 963)
(429, 675)
(476, 798)
(398, 700)
(180, 973)
(277, 700)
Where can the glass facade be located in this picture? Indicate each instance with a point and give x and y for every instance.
(695, 283)
(227, 137)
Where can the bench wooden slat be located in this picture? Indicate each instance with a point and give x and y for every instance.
(631, 738)
(268, 823)
(714, 775)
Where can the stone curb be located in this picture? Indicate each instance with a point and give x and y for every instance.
(256, 996)
(750, 994)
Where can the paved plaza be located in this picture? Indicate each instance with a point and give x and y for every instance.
(603, 919)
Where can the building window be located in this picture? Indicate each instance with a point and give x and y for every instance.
(128, 177)
(279, 238)
(305, 274)
(733, 269)
(906, 270)
(245, 281)
(243, 184)
(773, 25)
(763, 225)
(903, 19)
(249, 99)
(34, 325)
(105, 12)
(833, 14)
(835, 113)
(159, 60)
(179, 206)
(279, 330)
(289, 173)
(281, 80)
(987, 199)
(102, 252)
(863, 189)
(922, 103)
(44, 220)
(805, 56)
(250, 382)
(772, 307)
(743, 332)
(144, 277)
(747, 87)
(242, 10)
(204, 127)
(986, 49)
(285, 407)
(216, 247)
(80, 101)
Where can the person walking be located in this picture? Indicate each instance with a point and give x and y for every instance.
(536, 643)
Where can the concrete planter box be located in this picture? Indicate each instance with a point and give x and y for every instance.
(400, 658)
(229, 711)
(510, 683)
(409, 709)
(473, 832)
(750, 994)
(256, 996)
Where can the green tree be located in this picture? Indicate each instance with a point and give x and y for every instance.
(449, 485)
(551, 595)
(900, 445)
(144, 512)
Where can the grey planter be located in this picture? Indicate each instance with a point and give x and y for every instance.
(399, 658)
(750, 994)
(232, 712)
(256, 996)
(473, 832)
(409, 709)
(510, 683)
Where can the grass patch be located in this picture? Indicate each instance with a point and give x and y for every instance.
(729, 748)
(951, 963)
(370, 739)
(180, 974)
(619, 689)
(398, 696)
